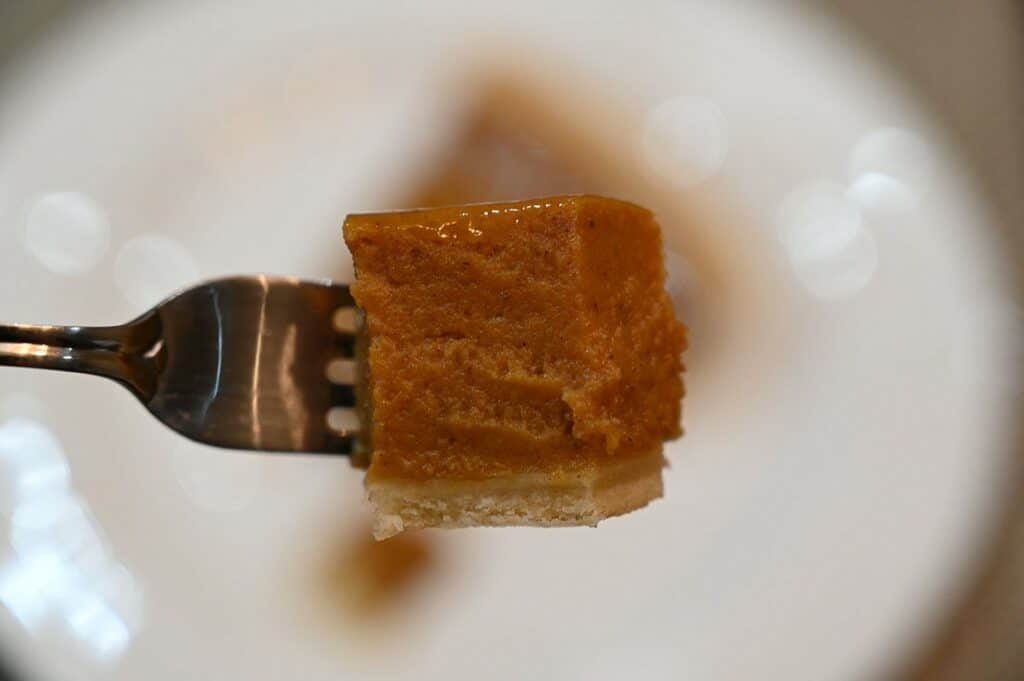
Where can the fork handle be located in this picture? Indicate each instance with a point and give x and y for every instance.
(113, 352)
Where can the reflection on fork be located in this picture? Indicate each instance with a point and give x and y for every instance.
(242, 362)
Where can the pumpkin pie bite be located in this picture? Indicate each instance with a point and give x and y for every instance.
(523, 362)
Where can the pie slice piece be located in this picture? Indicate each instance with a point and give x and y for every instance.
(523, 362)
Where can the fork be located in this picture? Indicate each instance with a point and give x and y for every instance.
(240, 362)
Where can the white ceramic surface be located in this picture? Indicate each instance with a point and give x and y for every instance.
(841, 464)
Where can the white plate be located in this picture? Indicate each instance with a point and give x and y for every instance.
(842, 462)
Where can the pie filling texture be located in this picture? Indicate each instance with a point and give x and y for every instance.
(523, 362)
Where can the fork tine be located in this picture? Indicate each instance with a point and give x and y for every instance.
(343, 395)
(338, 444)
(344, 297)
(345, 346)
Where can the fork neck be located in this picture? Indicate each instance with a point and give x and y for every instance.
(126, 354)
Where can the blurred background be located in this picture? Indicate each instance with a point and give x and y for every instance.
(959, 62)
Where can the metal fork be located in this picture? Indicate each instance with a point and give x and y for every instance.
(239, 362)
